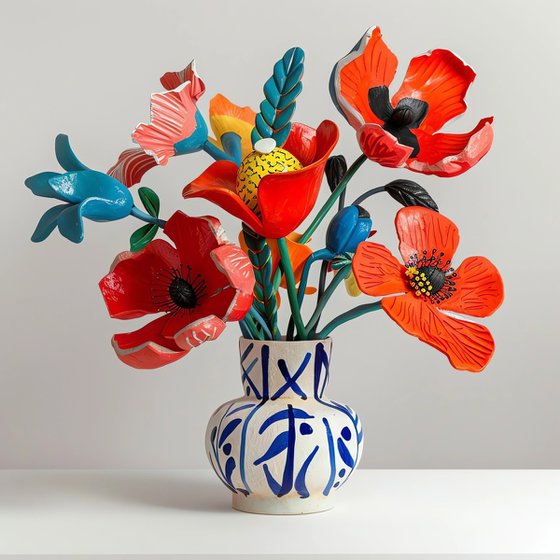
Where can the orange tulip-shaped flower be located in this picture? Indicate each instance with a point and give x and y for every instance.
(427, 287)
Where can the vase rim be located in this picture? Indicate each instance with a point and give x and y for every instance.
(284, 341)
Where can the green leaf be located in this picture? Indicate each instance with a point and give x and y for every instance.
(150, 200)
(141, 237)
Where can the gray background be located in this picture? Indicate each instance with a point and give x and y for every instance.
(87, 69)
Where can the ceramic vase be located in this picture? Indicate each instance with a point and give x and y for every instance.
(284, 447)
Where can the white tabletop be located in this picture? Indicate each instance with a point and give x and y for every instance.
(182, 513)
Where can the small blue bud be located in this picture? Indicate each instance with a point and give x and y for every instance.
(349, 227)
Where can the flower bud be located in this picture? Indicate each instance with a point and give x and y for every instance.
(349, 227)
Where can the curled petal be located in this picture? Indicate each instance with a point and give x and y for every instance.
(369, 64)
(286, 199)
(227, 117)
(441, 79)
(195, 237)
(382, 147)
(133, 286)
(146, 348)
(48, 222)
(302, 143)
(200, 331)
(172, 80)
(425, 232)
(377, 272)
(469, 346)
(234, 264)
(479, 290)
(448, 155)
(217, 184)
(173, 119)
(131, 166)
(66, 156)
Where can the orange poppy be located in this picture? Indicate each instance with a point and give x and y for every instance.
(402, 130)
(427, 287)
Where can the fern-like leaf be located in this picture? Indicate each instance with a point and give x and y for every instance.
(265, 295)
(280, 91)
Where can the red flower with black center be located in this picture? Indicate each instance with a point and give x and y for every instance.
(429, 286)
(199, 284)
(402, 131)
(283, 200)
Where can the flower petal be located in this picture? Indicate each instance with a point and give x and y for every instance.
(48, 222)
(448, 155)
(137, 282)
(425, 232)
(234, 264)
(217, 184)
(146, 348)
(382, 147)
(377, 272)
(302, 143)
(469, 346)
(200, 331)
(40, 185)
(286, 199)
(441, 79)
(66, 156)
(479, 290)
(226, 116)
(131, 166)
(369, 64)
(195, 237)
(172, 80)
(173, 118)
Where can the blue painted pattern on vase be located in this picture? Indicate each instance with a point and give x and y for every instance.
(284, 447)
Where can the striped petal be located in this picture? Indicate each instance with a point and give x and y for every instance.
(131, 166)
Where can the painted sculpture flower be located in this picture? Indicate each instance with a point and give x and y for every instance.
(428, 287)
(177, 127)
(199, 284)
(403, 131)
(283, 199)
(84, 192)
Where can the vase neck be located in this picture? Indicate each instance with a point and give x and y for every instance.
(279, 369)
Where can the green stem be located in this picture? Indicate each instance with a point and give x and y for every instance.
(256, 316)
(248, 322)
(332, 199)
(137, 213)
(342, 274)
(348, 316)
(291, 285)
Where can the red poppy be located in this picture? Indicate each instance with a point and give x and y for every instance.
(199, 284)
(284, 199)
(429, 286)
(401, 131)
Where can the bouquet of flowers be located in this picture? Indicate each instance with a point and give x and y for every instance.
(268, 172)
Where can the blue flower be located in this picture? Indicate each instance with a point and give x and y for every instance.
(85, 193)
(349, 227)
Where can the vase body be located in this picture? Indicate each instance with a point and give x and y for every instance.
(284, 447)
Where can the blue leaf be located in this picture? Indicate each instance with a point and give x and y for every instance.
(264, 130)
(271, 92)
(268, 112)
(300, 485)
(228, 430)
(284, 117)
(345, 454)
(283, 415)
(274, 486)
(282, 135)
(290, 97)
(230, 467)
(279, 444)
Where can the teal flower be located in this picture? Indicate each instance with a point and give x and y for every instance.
(85, 193)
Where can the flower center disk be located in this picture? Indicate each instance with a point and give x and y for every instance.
(426, 280)
(182, 293)
(257, 165)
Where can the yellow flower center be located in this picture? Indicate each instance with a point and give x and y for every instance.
(265, 160)
(420, 281)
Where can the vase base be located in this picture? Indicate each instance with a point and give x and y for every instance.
(288, 505)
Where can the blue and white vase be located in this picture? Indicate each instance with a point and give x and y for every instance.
(284, 448)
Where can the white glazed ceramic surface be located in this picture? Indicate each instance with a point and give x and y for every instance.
(284, 448)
